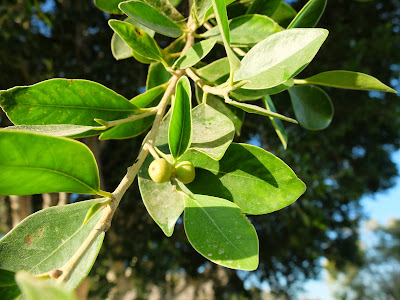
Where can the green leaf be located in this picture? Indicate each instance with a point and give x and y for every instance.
(254, 179)
(64, 101)
(33, 164)
(53, 130)
(175, 2)
(247, 30)
(142, 44)
(219, 231)
(348, 80)
(236, 115)
(196, 53)
(215, 70)
(213, 132)
(284, 14)
(109, 6)
(264, 7)
(279, 128)
(8, 287)
(132, 129)
(222, 20)
(122, 50)
(38, 289)
(280, 57)
(180, 127)
(47, 239)
(157, 75)
(309, 15)
(312, 106)
(254, 109)
(167, 8)
(151, 17)
(162, 201)
(249, 95)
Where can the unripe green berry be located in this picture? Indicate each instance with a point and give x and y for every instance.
(160, 170)
(185, 172)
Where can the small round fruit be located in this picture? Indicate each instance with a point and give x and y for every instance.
(160, 170)
(185, 172)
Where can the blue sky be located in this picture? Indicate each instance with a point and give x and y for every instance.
(381, 207)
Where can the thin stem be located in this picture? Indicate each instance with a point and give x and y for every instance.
(300, 81)
(108, 124)
(108, 212)
(153, 152)
(239, 51)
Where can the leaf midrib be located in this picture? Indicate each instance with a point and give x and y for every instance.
(222, 233)
(76, 107)
(52, 171)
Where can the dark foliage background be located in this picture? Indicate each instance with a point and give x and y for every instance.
(41, 39)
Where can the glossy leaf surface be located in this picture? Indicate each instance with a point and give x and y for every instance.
(38, 247)
(34, 288)
(122, 50)
(349, 80)
(132, 129)
(247, 30)
(280, 57)
(278, 125)
(151, 17)
(212, 131)
(109, 6)
(157, 75)
(196, 53)
(162, 201)
(264, 7)
(219, 231)
(64, 101)
(312, 106)
(215, 70)
(180, 127)
(140, 42)
(8, 287)
(33, 164)
(219, 7)
(269, 183)
(284, 14)
(309, 15)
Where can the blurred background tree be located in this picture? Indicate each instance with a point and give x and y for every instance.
(42, 39)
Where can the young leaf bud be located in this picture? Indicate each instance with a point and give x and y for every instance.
(185, 172)
(160, 170)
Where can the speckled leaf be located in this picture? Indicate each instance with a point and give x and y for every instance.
(280, 57)
(47, 239)
(151, 17)
(8, 287)
(180, 126)
(34, 163)
(219, 231)
(34, 288)
(162, 201)
(166, 8)
(309, 15)
(278, 125)
(348, 80)
(122, 50)
(144, 47)
(254, 179)
(64, 101)
(212, 131)
(312, 106)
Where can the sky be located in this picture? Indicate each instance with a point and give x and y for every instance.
(381, 207)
